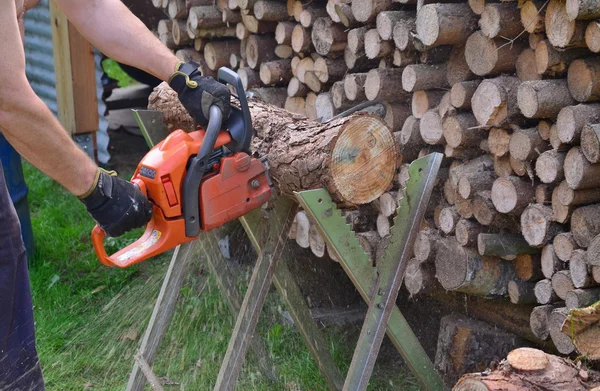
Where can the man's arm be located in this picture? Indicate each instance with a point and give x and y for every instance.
(26, 121)
(116, 32)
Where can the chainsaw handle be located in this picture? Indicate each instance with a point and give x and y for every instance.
(98, 236)
(239, 123)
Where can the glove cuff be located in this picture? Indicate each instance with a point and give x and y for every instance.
(100, 191)
(182, 76)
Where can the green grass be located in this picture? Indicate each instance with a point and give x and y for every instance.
(90, 318)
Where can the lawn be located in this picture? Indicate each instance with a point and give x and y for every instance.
(90, 318)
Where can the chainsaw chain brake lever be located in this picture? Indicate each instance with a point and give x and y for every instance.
(239, 123)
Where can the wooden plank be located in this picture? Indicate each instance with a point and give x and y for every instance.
(279, 224)
(292, 297)
(75, 76)
(163, 310)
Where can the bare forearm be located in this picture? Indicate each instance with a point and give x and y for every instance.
(34, 132)
(119, 34)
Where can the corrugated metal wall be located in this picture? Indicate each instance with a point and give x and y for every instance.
(40, 68)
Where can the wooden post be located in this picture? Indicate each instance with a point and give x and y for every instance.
(75, 76)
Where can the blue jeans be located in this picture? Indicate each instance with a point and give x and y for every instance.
(20, 369)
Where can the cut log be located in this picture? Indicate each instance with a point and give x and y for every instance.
(241, 32)
(301, 41)
(503, 19)
(461, 131)
(512, 194)
(537, 225)
(386, 21)
(180, 35)
(283, 33)
(526, 144)
(499, 142)
(424, 77)
(258, 27)
(551, 61)
(532, 16)
(270, 11)
(458, 70)
(585, 224)
(305, 65)
(345, 15)
(477, 6)
(469, 345)
(310, 105)
(583, 80)
(593, 252)
(366, 10)
(491, 57)
(423, 101)
(506, 245)
(568, 196)
(314, 165)
(525, 66)
(431, 128)
(581, 272)
(448, 219)
(375, 47)
(543, 98)
(205, 17)
(592, 36)
(572, 119)
(410, 138)
(276, 72)
(551, 263)
(259, 49)
(424, 247)
(356, 40)
(295, 105)
(329, 69)
(338, 96)
(462, 269)
(578, 298)
(583, 9)
(520, 167)
(467, 232)
(543, 194)
(590, 142)
(539, 321)
(495, 101)
(272, 96)
(217, 53)
(309, 15)
(561, 31)
(549, 166)
(579, 172)
(325, 107)
(419, 277)
(383, 226)
(469, 185)
(521, 292)
(562, 283)
(284, 51)
(538, 371)
(596, 273)
(354, 86)
(462, 92)
(250, 78)
(555, 139)
(328, 37)
(316, 242)
(302, 229)
(564, 245)
(464, 207)
(296, 88)
(544, 292)
(562, 213)
(383, 84)
(528, 267)
(403, 36)
(358, 63)
(561, 340)
(313, 82)
(445, 24)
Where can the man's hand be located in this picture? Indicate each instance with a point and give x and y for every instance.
(117, 205)
(197, 93)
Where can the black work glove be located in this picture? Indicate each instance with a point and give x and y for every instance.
(117, 205)
(197, 93)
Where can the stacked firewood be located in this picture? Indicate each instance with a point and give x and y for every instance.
(505, 90)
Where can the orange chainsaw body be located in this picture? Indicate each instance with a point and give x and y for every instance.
(235, 184)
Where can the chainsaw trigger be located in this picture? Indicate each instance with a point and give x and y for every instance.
(170, 191)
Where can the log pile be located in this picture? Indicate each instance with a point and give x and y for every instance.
(506, 90)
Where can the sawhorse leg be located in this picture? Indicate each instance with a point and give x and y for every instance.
(163, 310)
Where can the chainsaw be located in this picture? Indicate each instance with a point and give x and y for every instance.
(196, 182)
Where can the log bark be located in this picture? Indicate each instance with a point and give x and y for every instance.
(386, 21)
(503, 19)
(562, 213)
(572, 119)
(217, 53)
(526, 144)
(396, 114)
(528, 267)
(585, 224)
(297, 163)
(383, 84)
(521, 292)
(206, 17)
(582, 9)
(593, 252)
(345, 15)
(462, 269)
(533, 370)
(579, 172)
(259, 49)
(583, 79)
(328, 37)
(544, 292)
(561, 340)
(277, 72)
(549, 166)
(410, 139)
(495, 101)
(544, 98)
(469, 185)
(256, 26)
(525, 66)
(283, 33)
(564, 245)
(543, 194)
(458, 69)
(561, 31)
(578, 298)
(581, 272)
(537, 225)
(270, 11)
(309, 15)
(505, 245)
(272, 96)
(551, 263)
(550, 61)
(461, 131)
(467, 232)
(491, 57)
(423, 101)
(590, 142)
(445, 24)
(512, 194)
(424, 77)
(539, 321)
(329, 69)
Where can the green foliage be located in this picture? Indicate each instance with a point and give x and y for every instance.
(114, 71)
(90, 319)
